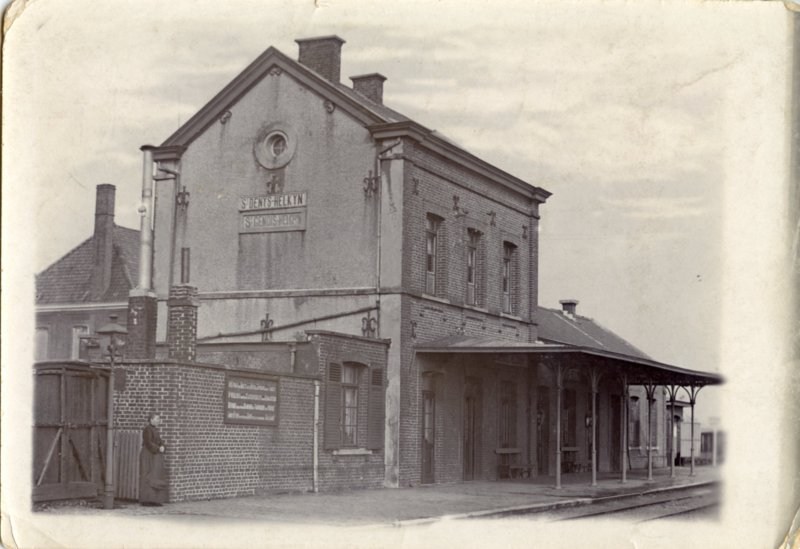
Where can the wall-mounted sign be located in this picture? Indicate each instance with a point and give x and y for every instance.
(251, 400)
(273, 213)
(272, 201)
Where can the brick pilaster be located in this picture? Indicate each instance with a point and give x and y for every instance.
(142, 317)
(182, 322)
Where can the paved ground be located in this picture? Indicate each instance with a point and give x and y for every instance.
(413, 505)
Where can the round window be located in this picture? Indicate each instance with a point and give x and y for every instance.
(274, 147)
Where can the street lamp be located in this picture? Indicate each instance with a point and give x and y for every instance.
(115, 334)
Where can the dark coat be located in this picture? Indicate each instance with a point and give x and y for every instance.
(152, 473)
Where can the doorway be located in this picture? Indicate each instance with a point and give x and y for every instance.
(543, 430)
(616, 433)
(428, 436)
(472, 427)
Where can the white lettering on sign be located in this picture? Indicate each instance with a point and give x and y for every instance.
(273, 222)
(272, 201)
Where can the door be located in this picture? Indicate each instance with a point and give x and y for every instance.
(543, 430)
(616, 432)
(69, 432)
(428, 436)
(472, 428)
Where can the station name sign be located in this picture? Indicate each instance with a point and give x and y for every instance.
(273, 213)
(272, 201)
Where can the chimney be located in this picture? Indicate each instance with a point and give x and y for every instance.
(323, 55)
(569, 306)
(182, 322)
(370, 86)
(103, 239)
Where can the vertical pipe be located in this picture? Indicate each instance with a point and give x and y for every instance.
(672, 394)
(315, 457)
(594, 430)
(108, 495)
(650, 433)
(146, 234)
(714, 447)
(559, 386)
(624, 452)
(691, 447)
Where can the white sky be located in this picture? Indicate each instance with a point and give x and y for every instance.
(618, 110)
(656, 126)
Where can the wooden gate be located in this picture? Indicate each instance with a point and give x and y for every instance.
(70, 421)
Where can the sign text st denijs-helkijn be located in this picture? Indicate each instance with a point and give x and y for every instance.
(273, 213)
(272, 201)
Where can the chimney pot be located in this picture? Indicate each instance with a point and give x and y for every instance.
(370, 86)
(569, 306)
(322, 54)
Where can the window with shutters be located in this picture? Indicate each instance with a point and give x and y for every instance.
(509, 281)
(354, 408)
(433, 244)
(473, 266)
(634, 423)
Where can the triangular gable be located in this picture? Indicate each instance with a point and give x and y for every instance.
(252, 75)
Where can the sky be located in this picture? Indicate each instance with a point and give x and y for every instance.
(620, 110)
(659, 127)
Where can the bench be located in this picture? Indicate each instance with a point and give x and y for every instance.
(504, 468)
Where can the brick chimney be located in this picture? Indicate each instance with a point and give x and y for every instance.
(182, 322)
(569, 306)
(103, 239)
(322, 54)
(370, 86)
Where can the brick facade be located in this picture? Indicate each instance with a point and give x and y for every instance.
(209, 458)
(182, 322)
(141, 340)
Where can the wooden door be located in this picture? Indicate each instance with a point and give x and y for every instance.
(428, 436)
(616, 432)
(543, 430)
(69, 432)
(472, 428)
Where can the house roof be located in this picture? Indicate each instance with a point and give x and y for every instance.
(580, 337)
(68, 280)
(557, 327)
(381, 120)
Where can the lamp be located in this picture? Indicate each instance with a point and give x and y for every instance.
(115, 333)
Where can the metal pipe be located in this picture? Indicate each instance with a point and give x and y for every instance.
(108, 492)
(691, 451)
(625, 405)
(649, 434)
(146, 227)
(315, 457)
(594, 433)
(559, 387)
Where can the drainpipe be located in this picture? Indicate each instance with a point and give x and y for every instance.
(146, 211)
(315, 458)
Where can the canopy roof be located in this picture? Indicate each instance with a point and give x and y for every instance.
(638, 369)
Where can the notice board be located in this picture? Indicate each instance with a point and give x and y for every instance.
(251, 399)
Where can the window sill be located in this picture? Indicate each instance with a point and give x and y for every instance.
(352, 452)
(435, 298)
(476, 308)
(511, 317)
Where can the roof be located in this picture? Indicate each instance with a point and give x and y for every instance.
(68, 280)
(578, 336)
(557, 327)
(381, 120)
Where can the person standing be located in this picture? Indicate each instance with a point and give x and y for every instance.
(152, 472)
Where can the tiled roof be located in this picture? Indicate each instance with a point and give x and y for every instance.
(68, 280)
(557, 327)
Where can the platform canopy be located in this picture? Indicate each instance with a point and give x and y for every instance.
(638, 369)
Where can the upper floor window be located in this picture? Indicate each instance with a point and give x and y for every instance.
(42, 341)
(509, 277)
(77, 332)
(432, 226)
(473, 241)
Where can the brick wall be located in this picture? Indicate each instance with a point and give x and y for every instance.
(182, 322)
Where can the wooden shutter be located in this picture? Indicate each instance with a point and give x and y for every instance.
(333, 407)
(375, 413)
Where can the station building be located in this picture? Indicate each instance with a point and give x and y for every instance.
(331, 295)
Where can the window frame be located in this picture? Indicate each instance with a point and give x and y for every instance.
(508, 278)
(433, 225)
(75, 341)
(473, 274)
(351, 387)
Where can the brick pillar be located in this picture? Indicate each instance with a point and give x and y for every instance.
(142, 317)
(182, 322)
